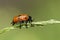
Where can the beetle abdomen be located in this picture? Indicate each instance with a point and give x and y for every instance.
(15, 19)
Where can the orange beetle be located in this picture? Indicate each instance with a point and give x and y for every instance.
(21, 19)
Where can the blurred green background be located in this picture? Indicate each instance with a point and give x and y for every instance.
(40, 10)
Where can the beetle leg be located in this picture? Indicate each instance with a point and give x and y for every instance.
(31, 23)
(12, 23)
(30, 20)
(20, 24)
(26, 24)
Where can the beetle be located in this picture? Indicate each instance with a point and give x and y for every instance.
(21, 19)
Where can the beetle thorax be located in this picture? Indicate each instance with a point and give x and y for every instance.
(23, 18)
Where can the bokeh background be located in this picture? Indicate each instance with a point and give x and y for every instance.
(39, 9)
